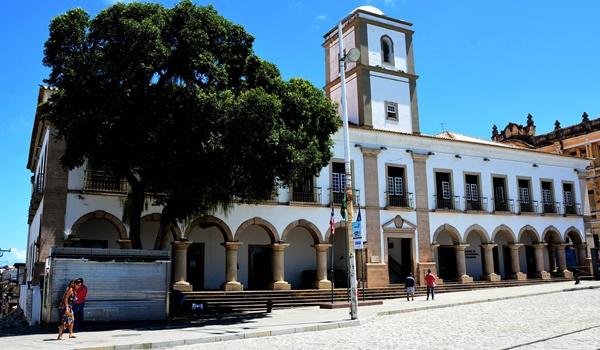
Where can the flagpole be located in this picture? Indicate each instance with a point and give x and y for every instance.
(349, 236)
(332, 257)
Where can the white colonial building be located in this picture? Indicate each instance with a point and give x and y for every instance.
(467, 208)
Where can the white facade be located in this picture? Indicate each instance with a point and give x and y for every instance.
(380, 148)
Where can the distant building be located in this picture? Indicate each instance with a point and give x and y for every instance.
(466, 208)
(580, 140)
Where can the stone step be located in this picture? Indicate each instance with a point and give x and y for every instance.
(249, 301)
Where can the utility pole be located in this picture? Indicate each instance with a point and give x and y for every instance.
(352, 56)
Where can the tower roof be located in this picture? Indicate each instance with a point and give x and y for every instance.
(368, 8)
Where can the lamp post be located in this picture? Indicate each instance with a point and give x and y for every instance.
(353, 55)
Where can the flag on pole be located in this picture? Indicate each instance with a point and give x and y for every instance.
(358, 217)
(343, 208)
(332, 221)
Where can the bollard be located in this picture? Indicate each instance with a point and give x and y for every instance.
(269, 306)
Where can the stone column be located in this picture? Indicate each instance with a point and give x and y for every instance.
(231, 268)
(377, 270)
(321, 252)
(124, 243)
(581, 253)
(516, 263)
(278, 267)
(552, 257)
(180, 264)
(488, 258)
(421, 195)
(562, 261)
(539, 261)
(461, 266)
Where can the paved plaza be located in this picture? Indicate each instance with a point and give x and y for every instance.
(553, 315)
(566, 320)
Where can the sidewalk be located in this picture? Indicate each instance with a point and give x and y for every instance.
(276, 323)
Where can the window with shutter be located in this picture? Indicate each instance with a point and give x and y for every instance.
(499, 194)
(568, 197)
(524, 194)
(445, 190)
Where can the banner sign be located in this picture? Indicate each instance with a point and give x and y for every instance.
(357, 235)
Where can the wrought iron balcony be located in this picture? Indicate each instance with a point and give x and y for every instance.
(449, 203)
(103, 181)
(399, 201)
(573, 209)
(476, 205)
(527, 206)
(504, 205)
(550, 207)
(313, 196)
(338, 196)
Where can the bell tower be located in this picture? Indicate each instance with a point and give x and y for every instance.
(381, 85)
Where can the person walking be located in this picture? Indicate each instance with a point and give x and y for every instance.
(81, 291)
(65, 311)
(409, 284)
(430, 283)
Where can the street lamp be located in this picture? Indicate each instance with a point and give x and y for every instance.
(353, 55)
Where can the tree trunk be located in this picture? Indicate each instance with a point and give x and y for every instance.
(136, 206)
(166, 225)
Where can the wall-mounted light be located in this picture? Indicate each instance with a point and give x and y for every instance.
(486, 159)
(576, 170)
(535, 165)
(383, 148)
(408, 151)
(430, 153)
(457, 156)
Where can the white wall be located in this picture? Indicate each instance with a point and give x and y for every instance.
(299, 256)
(374, 34)
(352, 98)
(253, 235)
(385, 87)
(214, 255)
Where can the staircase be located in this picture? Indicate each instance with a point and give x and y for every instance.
(248, 301)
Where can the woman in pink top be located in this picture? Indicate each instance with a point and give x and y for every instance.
(430, 283)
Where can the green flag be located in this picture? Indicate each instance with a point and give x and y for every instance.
(343, 208)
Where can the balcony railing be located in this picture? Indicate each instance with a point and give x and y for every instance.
(573, 209)
(550, 207)
(527, 206)
(338, 197)
(399, 201)
(450, 203)
(38, 184)
(102, 181)
(306, 197)
(476, 205)
(506, 205)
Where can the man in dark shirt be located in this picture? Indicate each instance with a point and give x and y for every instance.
(81, 293)
(409, 284)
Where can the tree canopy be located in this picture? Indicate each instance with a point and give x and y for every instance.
(176, 101)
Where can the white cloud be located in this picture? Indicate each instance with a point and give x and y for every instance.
(16, 255)
(321, 17)
(390, 3)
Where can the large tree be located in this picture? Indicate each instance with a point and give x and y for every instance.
(175, 101)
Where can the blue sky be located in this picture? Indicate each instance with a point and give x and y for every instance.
(480, 63)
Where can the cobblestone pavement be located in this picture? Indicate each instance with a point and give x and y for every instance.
(555, 321)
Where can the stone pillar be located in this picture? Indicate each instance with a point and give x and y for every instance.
(423, 242)
(321, 252)
(539, 261)
(581, 253)
(488, 258)
(552, 257)
(231, 268)
(423, 267)
(461, 266)
(562, 261)
(180, 266)
(516, 263)
(377, 270)
(124, 243)
(278, 267)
